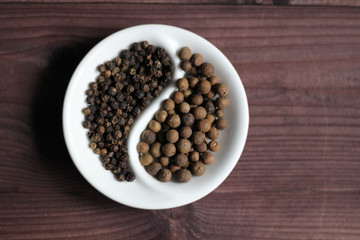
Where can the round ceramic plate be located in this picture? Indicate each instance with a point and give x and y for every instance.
(145, 191)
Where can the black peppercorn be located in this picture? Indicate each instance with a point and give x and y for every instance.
(130, 176)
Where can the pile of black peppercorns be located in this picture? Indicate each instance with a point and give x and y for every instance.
(178, 138)
(125, 86)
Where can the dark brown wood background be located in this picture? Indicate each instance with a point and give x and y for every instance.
(299, 175)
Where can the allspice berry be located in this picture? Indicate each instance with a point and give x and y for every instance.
(187, 119)
(211, 118)
(222, 102)
(203, 125)
(168, 105)
(183, 145)
(164, 175)
(198, 168)
(188, 92)
(182, 84)
(148, 136)
(168, 149)
(164, 161)
(183, 175)
(214, 146)
(193, 82)
(221, 123)
(173, 168)
(172, 136)
(204, 86)
(184, 107)
(197, 59)
(146, 159)
(209, 106)
(142, 147)
(207, 158)
(181, 160)
(161, 115)
(156, 150)
(199, 112)
(174, 120)
(202, 147)
(214, 80)
(154, 168)
(165, 127)
(207, 69)
(185, 53)
(198, 137)
(194, 156)
(220, 113)
(154, 126)
(185, 132)
(222, 89)
(178, 97)
(197, 99)
(213, 133)
(186, 66)
(211, 94)
(194, 71)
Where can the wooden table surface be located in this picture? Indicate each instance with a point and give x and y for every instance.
(298, 177)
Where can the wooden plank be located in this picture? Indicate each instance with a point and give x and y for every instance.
(353, 3)
(349, 3)
(298, 177)
(182, 2)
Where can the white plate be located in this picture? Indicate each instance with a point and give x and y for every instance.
(146, 192)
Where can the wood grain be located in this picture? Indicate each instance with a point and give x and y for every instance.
(298, 177)
(172, 2)
(348, 3)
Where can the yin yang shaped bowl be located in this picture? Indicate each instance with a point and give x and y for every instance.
(145, 191)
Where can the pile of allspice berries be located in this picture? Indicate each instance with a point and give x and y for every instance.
(180, 139)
